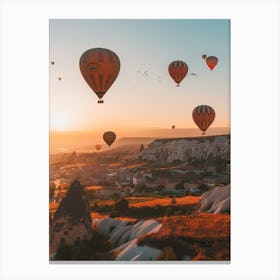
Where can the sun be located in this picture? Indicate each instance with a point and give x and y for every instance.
(60, 121)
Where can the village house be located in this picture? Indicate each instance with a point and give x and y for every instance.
(138, 179)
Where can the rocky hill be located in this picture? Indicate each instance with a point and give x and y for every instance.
(166, 151)
(216, 201)
(72, 220)
(124, 237)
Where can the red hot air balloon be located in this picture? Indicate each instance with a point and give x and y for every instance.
(98, 147)
(204, 56)
(203, 116)
(211, 61)
(100, 68)
(178, 71)
(109, 137)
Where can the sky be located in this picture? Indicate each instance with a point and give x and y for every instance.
(136, 102)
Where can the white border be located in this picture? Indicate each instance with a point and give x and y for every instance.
(255, 138)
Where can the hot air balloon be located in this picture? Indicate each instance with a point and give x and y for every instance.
(59, 78)
(100, 68)
(109, 137)
(173, 126)
(204, 56)
(178, 70)
(98, 147)
(203, 116)
(52, 63)
(211, 61)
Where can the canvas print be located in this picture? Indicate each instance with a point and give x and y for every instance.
(139, 155)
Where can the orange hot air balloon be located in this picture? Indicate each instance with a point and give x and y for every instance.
(98, 147)
(204, 56)
(203, 116)
(173, 126)
(178, 71)
(211, 61)
(109, 137)
(100, 68)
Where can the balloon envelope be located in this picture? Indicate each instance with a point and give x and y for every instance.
(178, 71)
(203, 116)
(100, 68)
(211, 61)
(204, 56)
(98, 147)
(109, 137)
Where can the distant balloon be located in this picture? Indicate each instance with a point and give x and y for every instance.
(98, 147)
(109, 137)
(178, 71)
(52, 63)
(173, 126)
(100, 68)
(59, 78)
(204, 56)
(203, 116)
(211, 61)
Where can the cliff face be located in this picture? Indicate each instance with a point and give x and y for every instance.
(72, 220)
(166, 151)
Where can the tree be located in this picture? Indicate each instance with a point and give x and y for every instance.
(64, 252)
(51, 190)
(114, 214)
(179, 186)
(141, 148)
(168, 211)
(203, 187)
(121, 205)
(167, 254)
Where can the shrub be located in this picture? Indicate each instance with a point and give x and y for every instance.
(167, 254)
(64, 252)
(168, 211)
(121, 205)
(114, 214)
(51, 190)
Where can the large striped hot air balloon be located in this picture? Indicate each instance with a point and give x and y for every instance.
(100, 68)
(109, 137)
(211, 61)
(203, 116)
(178, 71)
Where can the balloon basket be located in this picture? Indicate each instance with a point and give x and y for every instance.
(100, 101)
(203, 133)
(177, 85)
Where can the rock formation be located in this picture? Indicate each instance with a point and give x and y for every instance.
(124, 237)
(72, 219)
(187, 149)
(216, 200)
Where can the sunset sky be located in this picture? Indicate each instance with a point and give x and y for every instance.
(135, 102)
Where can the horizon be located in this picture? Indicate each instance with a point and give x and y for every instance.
(67, 141)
